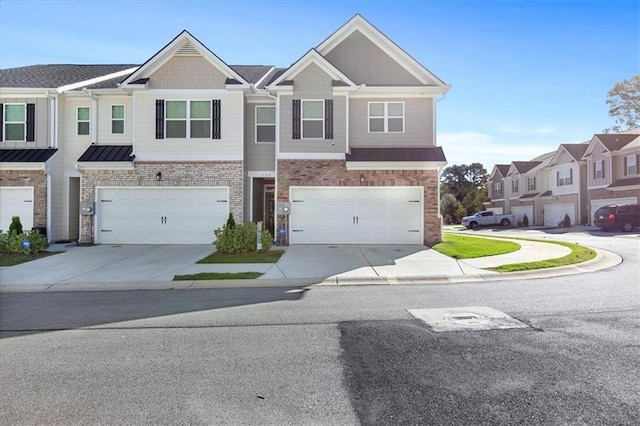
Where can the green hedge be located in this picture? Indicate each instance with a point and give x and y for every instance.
(240, 238)
(12, 242)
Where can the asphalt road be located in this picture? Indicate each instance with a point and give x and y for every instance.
(331, 355)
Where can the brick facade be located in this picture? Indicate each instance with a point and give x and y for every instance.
(38, 180)
(223, 173)
(335, 173)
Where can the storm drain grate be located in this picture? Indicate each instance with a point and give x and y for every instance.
(466, 319)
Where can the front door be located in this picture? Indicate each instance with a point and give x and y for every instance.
(269, 204)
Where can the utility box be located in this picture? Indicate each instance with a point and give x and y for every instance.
(87, 208)
(284, 208)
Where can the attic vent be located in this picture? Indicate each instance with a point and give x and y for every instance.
(187, 49)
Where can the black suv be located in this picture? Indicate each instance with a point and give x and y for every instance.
(614, 216)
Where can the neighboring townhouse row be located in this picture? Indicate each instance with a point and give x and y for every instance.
(574, 180)
(340, 147)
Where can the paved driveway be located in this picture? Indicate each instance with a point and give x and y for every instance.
(107, 264)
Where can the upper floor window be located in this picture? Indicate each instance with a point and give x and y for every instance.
(564, 177)
(386, 117)
(265, 124)
(312, 119)
(598, 169)
(15, 122)
(497, 188)
(117, 119)
(531, 183)
(188, 119)
(630, 165)
(514, 185)
(83, 116)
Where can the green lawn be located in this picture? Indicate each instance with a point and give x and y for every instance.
(578, 254)
(270, 256)
(218, 276)
(464, 247)
(11, 259)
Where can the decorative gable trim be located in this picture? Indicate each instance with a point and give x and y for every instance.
(311, 57)
(358, 23)
(184, 44)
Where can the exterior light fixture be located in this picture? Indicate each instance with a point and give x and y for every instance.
(159, 176)
(361, 178)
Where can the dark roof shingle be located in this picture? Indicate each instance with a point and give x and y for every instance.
(615, 142)
(434, 153)
(53, 76)
(26, 155)
(634, 181)
(108, 153)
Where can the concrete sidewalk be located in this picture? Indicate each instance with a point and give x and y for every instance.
(153, 267)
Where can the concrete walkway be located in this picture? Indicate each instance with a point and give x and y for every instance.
(153, 267)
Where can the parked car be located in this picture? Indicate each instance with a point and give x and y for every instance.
(487, 218)
(624, 217)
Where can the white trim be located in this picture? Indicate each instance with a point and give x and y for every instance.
(78, 121)
(311, 57)
(399, 91)
(598, 186)
(259, 82)
(261, 174)
(95, 80)
(385, 116)
(123, 119)
(4, 122)
(310, 156)
(395, 165)
(302, 119)
(188, 118)
(22, 92)
(23, 166)
(105, 165)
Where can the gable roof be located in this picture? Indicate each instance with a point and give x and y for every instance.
(524, 166)
(311, 57)
(575, 151)
(615, 142)
(54, 76)
(187, 45)
(502, 169)
(359, 23)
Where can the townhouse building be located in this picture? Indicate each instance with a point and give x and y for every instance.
(339, 147)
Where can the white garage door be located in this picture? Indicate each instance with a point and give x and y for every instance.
(356, 215)
(520, 211)
(554, 213)
(596, 204)
(160, 215)
(16, 201)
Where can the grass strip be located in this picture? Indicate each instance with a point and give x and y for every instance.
(12, 259)
(465, 247)
(269, 256)
(578, 254)
(218, 276)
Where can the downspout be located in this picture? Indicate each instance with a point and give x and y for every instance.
(94, 115)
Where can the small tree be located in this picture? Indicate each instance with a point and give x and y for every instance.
(567, 221)
(16, 226)
(624, 104)
(231, 223)
(525, 220)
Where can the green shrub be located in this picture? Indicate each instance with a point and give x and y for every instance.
(240, 238)
(525, 220)
(16, 226)
(567, 221)
(12, 243)
(267, 240)
(231, 223)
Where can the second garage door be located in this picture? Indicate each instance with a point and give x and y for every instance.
(160, 215)
(554, 214)
(16, 201)
(356, 215)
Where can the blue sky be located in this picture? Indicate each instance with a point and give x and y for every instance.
(525, 75)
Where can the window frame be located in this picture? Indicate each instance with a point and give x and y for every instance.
(599, 169)
(79, 121)
(497, 189)
(113, 120)
(385, 116)
(302, 119)
(5, 122)
(564, 177)
(530, 180)
(515, 185)
(256, 124)
(188, 119)
(631, 158)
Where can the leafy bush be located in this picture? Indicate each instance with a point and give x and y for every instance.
(12, 243)
(16, 226)
(231, 223)
(567, 221)
(240, 238)
(525, 220)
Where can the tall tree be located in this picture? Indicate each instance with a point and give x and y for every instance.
(463, 189)
(624, 104)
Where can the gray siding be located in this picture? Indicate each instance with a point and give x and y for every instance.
(258, 156)
(42, 124)
(187, 72)
(418, 124)
(313, 83)
(365, 63)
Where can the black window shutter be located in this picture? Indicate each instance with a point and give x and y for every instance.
(557, 178)
(328, 119)
(159, 119)
(570, 176)
(625, 166)
(594, 169)
(1, 122)
(216, 134)
(296, 119)
(31, 122)
(602, 168)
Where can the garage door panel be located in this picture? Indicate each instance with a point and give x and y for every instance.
(160, 215)
(554, 213)
(356, 215)
(16, 201)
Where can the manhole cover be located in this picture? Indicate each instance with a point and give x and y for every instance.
(466, 319)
